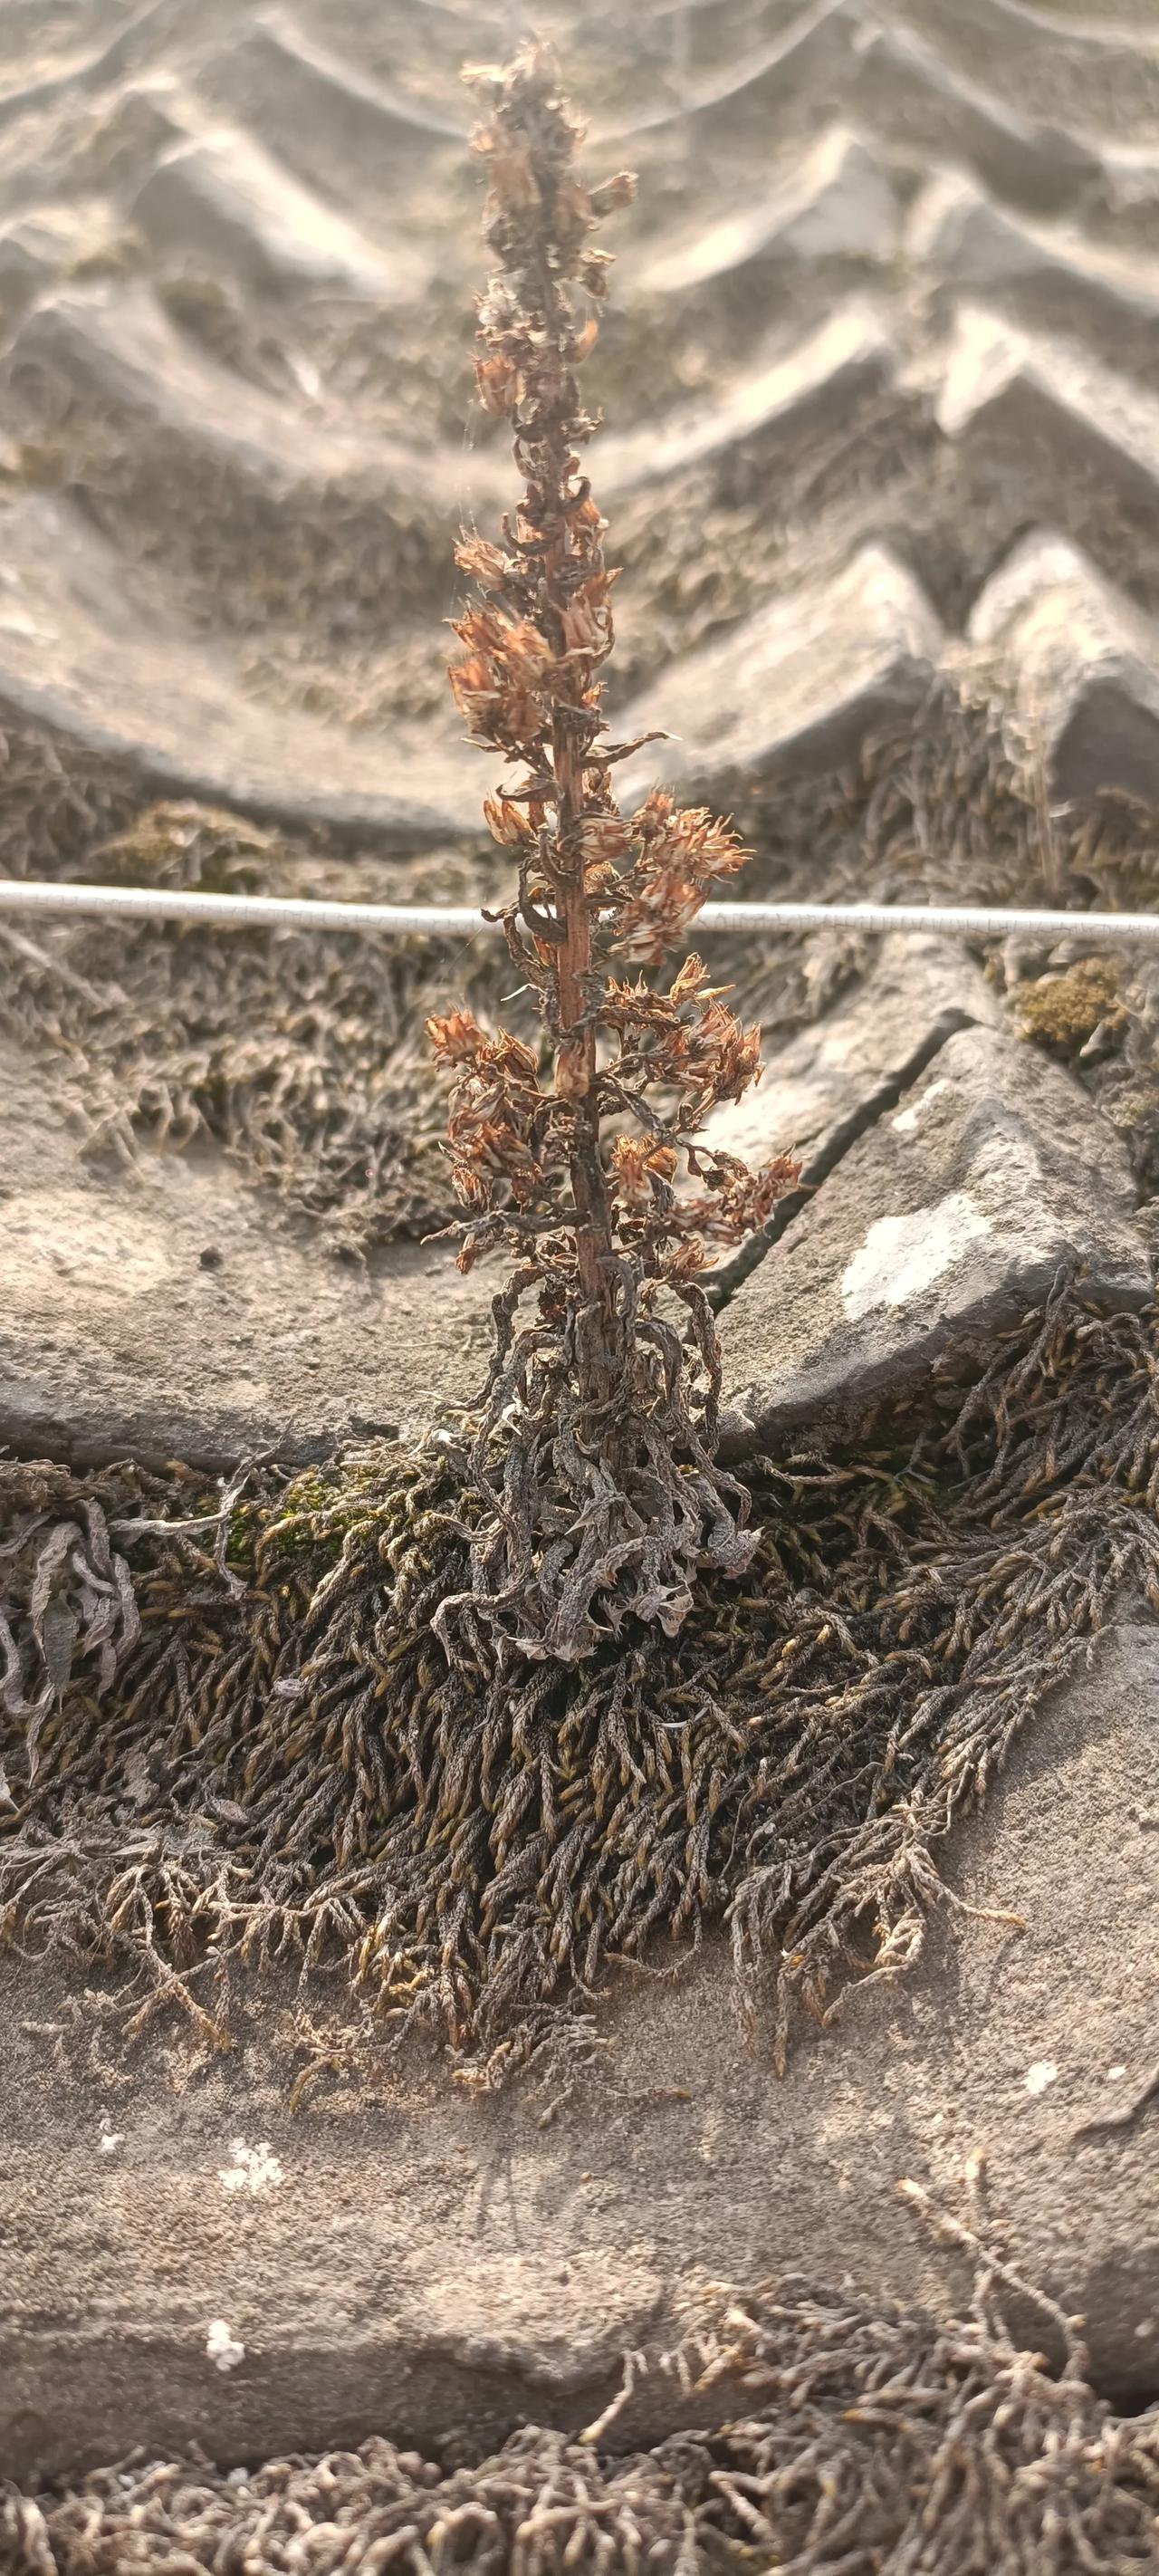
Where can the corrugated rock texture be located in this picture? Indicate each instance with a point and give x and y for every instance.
(236, 254)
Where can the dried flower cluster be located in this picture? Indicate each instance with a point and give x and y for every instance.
(606, 1497)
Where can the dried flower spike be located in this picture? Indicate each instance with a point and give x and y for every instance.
(595, 1454)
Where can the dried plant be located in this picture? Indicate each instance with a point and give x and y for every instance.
(596, 1449)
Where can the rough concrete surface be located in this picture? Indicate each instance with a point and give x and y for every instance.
(431, 2258)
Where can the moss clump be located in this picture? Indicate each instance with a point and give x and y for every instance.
(1063, 1011)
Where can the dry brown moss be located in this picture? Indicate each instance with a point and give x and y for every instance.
(1063, 1011)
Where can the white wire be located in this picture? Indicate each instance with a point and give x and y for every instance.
(440, 921)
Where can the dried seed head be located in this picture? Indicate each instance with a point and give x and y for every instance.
(507, 823)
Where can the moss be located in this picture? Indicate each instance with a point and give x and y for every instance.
(1063, 1011)
(312, 1518)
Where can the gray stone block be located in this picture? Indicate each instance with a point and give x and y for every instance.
(948, 1221)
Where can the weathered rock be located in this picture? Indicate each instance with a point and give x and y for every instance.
(1023, 391)
(965, 243)
(1080, 666)
(839, 203)
(433, 2258)
(221, 195)
(948, 1220)
(798, 685)
(163, 1313)
(914, 992)
(820, 382)
(836, 1077)
(86, 654)
(926, 107)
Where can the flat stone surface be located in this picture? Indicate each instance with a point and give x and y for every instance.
(117, 1339)
(438, 2258)
(796, 686)
(1080, 667)
(946, 1222)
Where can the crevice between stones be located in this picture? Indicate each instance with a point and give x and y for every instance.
(721, 1285)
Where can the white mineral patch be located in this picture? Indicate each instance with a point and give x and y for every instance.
(902, 1255)
(1043, 2072)
(254, 2169)
(907, 1119)
(220, 2347)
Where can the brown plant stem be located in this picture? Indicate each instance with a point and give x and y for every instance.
(595, 1444)
(598, 1359)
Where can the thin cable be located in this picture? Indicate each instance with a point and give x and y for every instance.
(453, 920)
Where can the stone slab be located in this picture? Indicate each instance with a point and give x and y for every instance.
(913, 988)
(949, 1220)
(165, 1312)
(435, 2257)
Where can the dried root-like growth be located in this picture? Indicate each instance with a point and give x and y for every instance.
(872, 2438)
(596, 1450)
(310, 1780)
